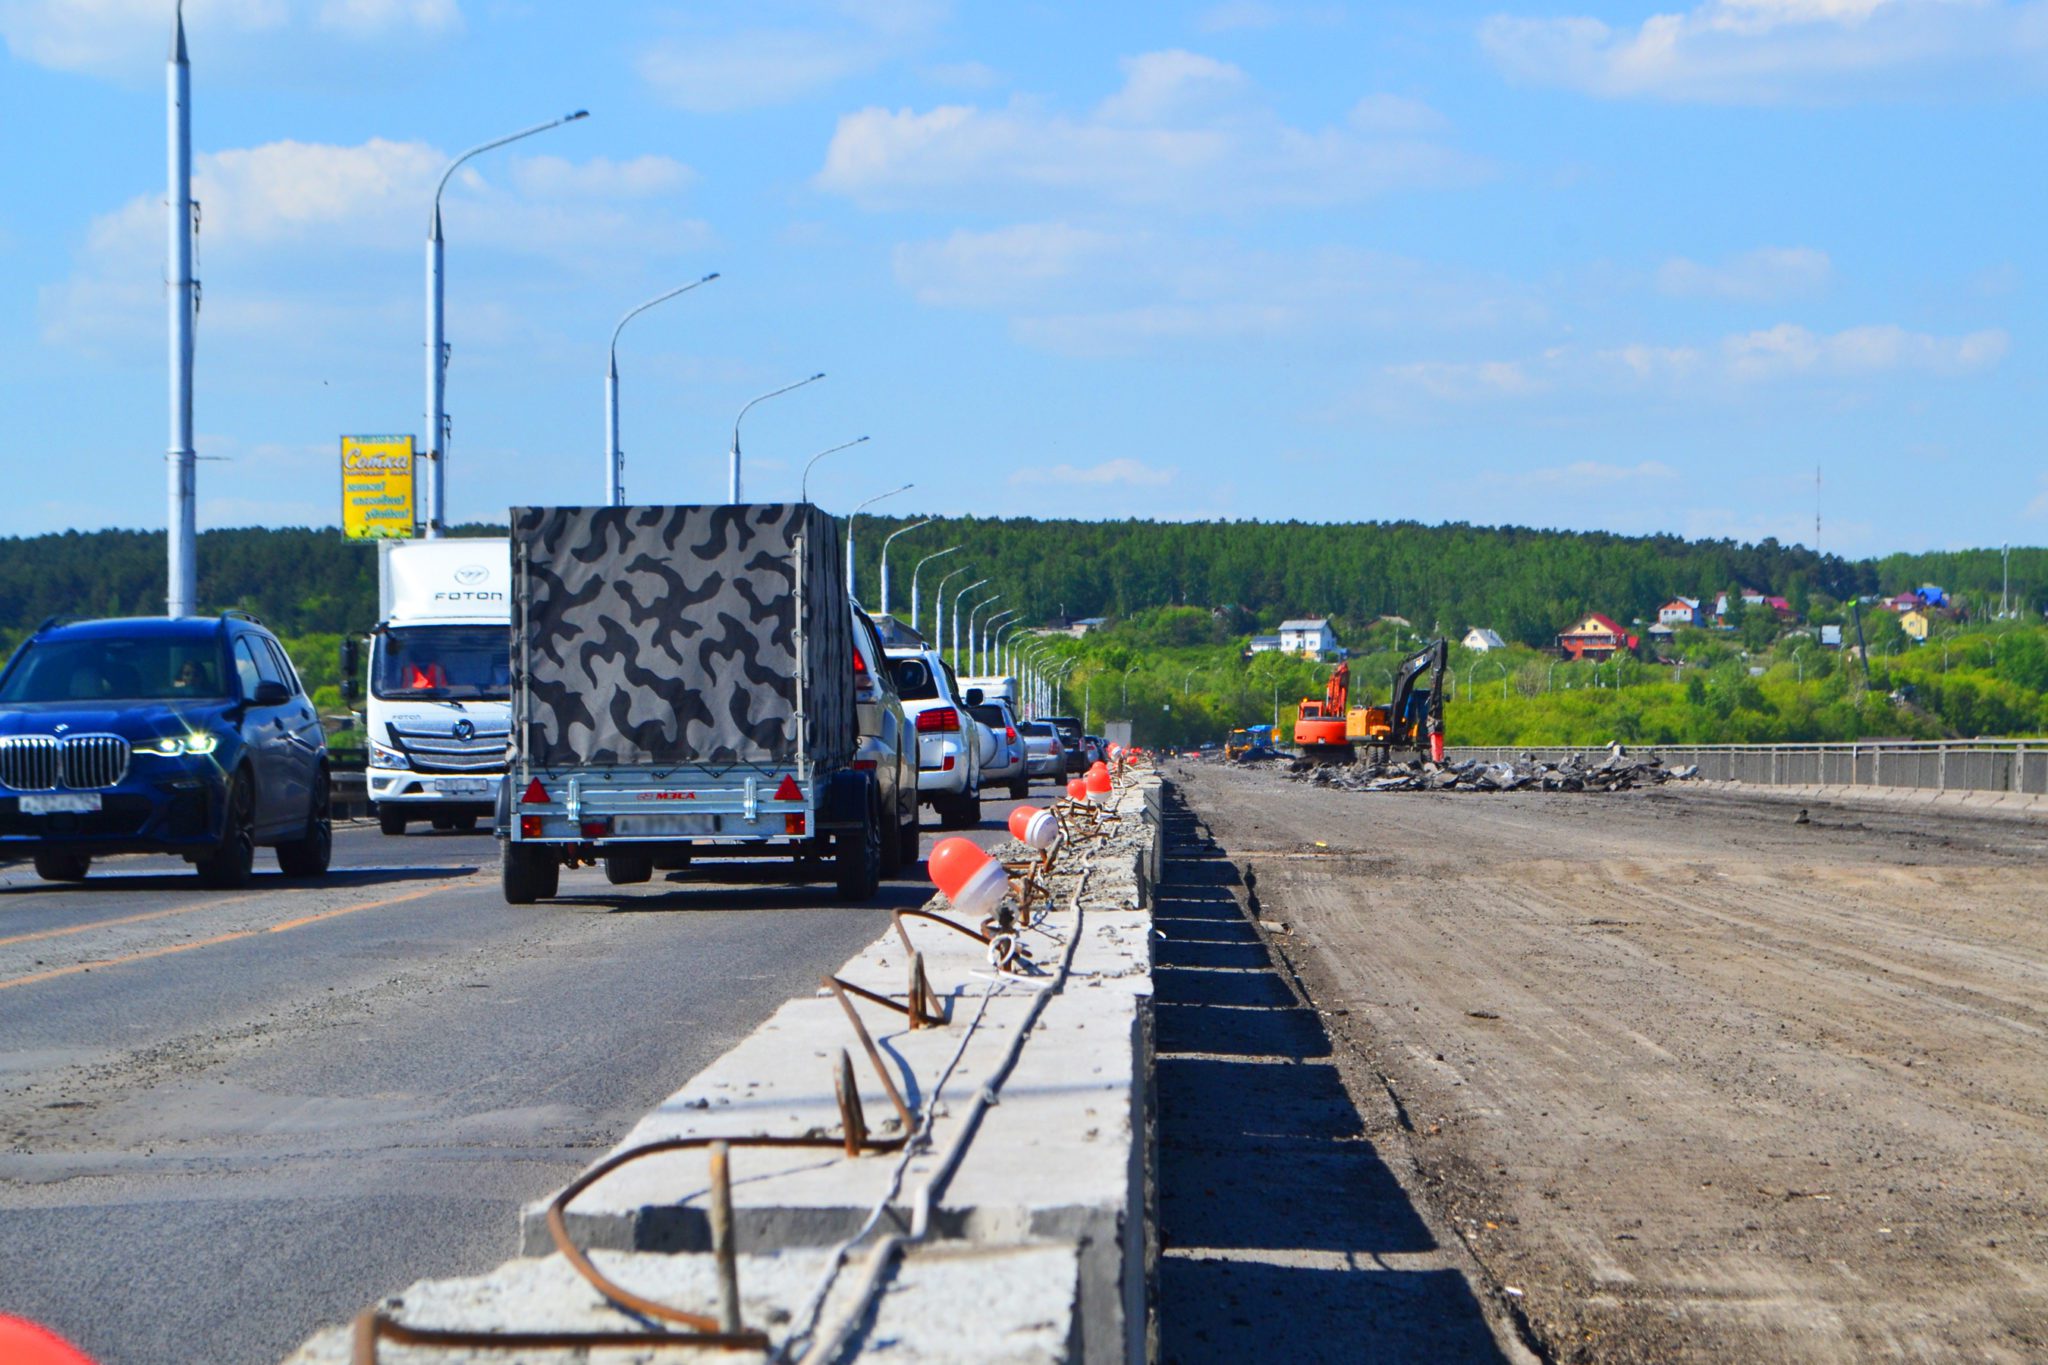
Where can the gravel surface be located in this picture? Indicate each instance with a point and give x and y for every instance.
(1692, 1080)
(228, 1118)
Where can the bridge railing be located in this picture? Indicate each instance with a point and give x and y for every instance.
(2003, 765)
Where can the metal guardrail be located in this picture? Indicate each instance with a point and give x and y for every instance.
(1996, 765)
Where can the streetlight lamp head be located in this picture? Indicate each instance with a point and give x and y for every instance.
(580, 113)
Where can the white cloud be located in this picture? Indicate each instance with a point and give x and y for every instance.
(1786, 351)
(1789, 349)
(1464, 381)
(1768, 274)
(756, 68)
(1240, 15)
(1587, 475)
(275, 216)
(1126, 472)
(1771, 51)
(1093, 292)
(128, 39)
(1184, 131)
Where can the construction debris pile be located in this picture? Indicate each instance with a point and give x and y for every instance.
(1618, 771)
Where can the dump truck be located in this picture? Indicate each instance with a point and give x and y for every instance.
(682, 690)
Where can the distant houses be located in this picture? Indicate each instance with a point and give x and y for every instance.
(1481, 640)
(1595, 637)
(1309, 636)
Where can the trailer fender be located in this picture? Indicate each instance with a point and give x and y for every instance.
(503, 819)
(848, 799)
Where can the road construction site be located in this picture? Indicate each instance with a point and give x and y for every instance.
(1690, 1073)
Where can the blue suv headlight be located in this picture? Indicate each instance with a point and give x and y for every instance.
(178, 746)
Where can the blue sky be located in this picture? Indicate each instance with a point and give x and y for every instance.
(1551, 262)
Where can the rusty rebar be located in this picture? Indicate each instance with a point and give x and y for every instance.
(724, 1246)
(853, 1120)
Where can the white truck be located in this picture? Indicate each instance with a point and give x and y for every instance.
(438, 705)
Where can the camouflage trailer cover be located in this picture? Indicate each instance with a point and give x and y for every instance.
(668, 635)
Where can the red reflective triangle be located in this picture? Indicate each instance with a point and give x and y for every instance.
(536, 794)
(788, 790)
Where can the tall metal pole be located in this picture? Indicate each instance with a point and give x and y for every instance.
(939, 607)
(978, 606)
(956, 615)
(913, 583)
(437, 336)
(182, 528)
(615, 458)
(988, 634)
(885, 557)
(803, 488)
(733, 473)
(849, 532)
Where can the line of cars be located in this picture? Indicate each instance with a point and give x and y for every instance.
(196, 737)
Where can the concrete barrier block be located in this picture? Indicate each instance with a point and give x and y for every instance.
(943, 1304)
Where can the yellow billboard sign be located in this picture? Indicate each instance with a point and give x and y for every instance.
(376, 487)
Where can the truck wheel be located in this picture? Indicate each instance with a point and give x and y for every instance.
(230, 866)
(465, 824)
(907, 838)
(628, 868)
(309, 854)
(62, 867)
(529, 873)
(960, 812)
(391, 820)
(857, 859)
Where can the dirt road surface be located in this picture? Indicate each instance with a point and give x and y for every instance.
(1695, 1081)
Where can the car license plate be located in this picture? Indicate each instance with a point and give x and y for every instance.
(470, 786)
(60, 803)
(674, 826)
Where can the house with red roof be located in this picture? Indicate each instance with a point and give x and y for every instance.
(1595, 637)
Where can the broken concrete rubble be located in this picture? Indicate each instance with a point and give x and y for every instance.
(1618, 771)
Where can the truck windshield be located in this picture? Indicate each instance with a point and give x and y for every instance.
(117, 670)
(442, 663)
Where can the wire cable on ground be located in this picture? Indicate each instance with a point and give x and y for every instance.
(827, 1345)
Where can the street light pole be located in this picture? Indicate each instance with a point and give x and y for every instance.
(849, 532)
(988, 638)
(181, 567)
(885, 557)
(1127, 691)
(804, 485)
(733, 471)
(914, 572)
(956, 615)
(938, 640)
(615, 458)
(989, 601)
(437, 335)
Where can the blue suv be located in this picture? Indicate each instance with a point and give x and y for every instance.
(191, 736)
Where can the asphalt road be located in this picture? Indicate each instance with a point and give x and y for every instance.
(226, 1119)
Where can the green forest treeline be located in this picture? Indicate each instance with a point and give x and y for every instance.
(1526, 584)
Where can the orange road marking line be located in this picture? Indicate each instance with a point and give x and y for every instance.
(126, 919)
(149, 953)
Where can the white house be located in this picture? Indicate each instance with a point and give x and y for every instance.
(1310, 635)
(1264, 644)
(1680, 611)
(1480, 639)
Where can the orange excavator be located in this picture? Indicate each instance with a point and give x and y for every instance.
(1319, 727)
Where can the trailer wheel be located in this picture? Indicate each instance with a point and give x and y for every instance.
(529, 873)
(857, 858)
(628, 868)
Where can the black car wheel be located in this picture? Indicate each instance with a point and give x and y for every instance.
(465, 824)
(960, 812)
(529, 873)
(310, 853)
(907, 837)
(857, 858)
(232, 864)
(62, 867)
(1021, 788)
(391, 820)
